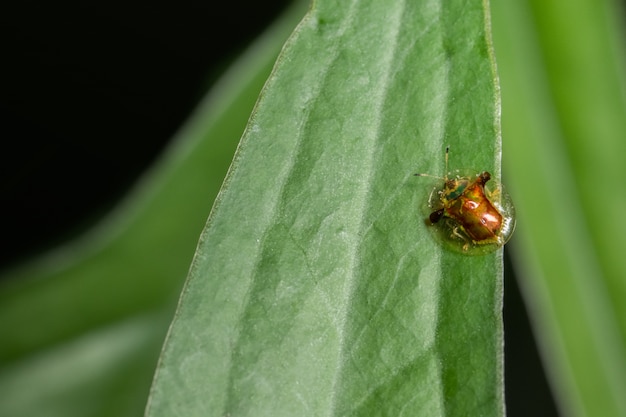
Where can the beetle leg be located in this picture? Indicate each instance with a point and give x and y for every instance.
(494, 195)
(458, 235)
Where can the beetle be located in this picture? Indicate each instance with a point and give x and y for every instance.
(471, 216)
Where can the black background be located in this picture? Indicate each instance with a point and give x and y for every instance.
(92, 92)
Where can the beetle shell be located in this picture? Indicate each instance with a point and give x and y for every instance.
(471, 214)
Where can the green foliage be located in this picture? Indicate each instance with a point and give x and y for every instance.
(66, 346)
(564, 122)
(316, 288)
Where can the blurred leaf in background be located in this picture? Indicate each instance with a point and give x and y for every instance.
(561, 65)
(82, 326)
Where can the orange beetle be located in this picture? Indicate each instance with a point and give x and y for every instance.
(474, 219)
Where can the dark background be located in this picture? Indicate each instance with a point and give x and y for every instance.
(90, 95)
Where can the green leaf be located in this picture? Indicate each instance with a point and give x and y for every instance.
(316, 288)
(564, 123)
(105, 372)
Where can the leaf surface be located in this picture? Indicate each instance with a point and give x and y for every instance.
(316, 288)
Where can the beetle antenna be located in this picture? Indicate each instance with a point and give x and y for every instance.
(445, 173)
(445, 177)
